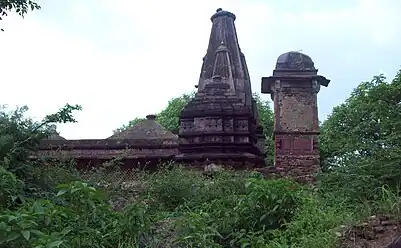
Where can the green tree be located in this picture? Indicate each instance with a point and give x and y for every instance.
(21, 7)
(20, 136)
(170, 116)
(266, 118)
(361, 139)
(130, 124)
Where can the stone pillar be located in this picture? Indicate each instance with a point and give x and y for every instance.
(293, 88)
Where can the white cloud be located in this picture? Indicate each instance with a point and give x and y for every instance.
(123, 59)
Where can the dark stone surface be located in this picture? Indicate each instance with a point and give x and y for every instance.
(295, 61)
(222, 13)
(221, 122)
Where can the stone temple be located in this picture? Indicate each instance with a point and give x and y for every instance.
(221, 124)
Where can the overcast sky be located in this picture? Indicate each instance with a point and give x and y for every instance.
(122, 59)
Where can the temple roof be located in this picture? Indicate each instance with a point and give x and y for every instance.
(295, 61)
(145, 129)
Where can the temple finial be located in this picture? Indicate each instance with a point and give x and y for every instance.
(222, 13)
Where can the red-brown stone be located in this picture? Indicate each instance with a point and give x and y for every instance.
(293, 88)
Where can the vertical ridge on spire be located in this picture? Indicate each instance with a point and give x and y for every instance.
(222, 64)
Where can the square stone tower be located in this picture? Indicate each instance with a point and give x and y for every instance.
(293, 88)
(221, 123)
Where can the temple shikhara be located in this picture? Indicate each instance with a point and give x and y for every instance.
(220, 124)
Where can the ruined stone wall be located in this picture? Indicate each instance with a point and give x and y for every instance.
(296, 108)
(299, 168)
(296, 130)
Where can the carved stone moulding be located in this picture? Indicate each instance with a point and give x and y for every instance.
(212, 113)
(215, 112)
(211, 133)
(224, 147)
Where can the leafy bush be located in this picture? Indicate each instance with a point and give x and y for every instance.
(269, 203)
(10, 188)
(227, 221)
(173, 186)
(85, 219)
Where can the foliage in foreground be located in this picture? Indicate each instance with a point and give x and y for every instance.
(231, 209)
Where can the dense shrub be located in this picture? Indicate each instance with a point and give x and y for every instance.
(226, 221)
(10, 188)
(83, 220)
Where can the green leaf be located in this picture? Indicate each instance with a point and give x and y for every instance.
(38, 208)
(62, 192)
(248, 184)
(55, 244)
(11, 218)
(26, 234)
(13, 236)
(37, 232)
(75, 190)
(66, 231)
(245, 245)
(262, 218)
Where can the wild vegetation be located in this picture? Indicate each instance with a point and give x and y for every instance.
(53, 205)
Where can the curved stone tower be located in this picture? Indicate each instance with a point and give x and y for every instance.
(221, 123)
(293, 88)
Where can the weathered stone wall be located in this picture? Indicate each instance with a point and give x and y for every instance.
(297, 156)
(297, 110)
(296, 130)
(302, 168)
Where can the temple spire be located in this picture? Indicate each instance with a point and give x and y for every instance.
(224, 58)
(220, 123)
